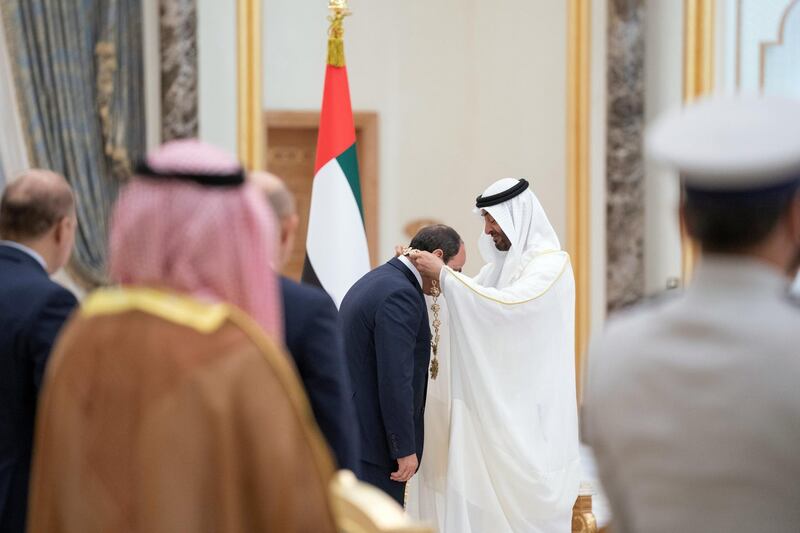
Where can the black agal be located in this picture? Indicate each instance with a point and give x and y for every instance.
(499, 198)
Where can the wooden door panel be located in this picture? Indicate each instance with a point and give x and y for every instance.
(292, 138)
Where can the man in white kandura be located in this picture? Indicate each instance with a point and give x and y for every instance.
(511, 459)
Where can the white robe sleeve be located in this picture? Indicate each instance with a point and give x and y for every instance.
(536, 280)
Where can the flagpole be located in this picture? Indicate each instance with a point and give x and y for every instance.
(337, 252)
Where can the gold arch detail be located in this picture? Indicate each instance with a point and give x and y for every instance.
(764, 46)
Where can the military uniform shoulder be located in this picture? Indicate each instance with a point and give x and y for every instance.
(637, 321)
(648, 304)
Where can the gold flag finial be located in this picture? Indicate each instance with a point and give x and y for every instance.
(339, 11)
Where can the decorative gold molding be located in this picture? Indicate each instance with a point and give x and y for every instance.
(698, 79)
(763, 46)
(578, 188)
(698, 48)
(250, 129)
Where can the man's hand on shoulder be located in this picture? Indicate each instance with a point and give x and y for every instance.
(406, 468)
(427, 264)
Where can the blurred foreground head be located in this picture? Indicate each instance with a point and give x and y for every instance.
(188, 222)
(38, 210)
(739, 162)
(283, 204)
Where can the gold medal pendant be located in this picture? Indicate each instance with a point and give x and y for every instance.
(435, 308)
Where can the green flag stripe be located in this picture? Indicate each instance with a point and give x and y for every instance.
(348, 160)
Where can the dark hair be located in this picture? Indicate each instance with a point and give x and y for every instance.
(438, 237)
(28, 210)
(732, 223)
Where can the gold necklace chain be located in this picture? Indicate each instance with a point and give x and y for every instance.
(435, 307)
(437, 322)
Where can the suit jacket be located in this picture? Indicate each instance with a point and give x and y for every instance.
(387, 338)
(314, 339)
(32, 310)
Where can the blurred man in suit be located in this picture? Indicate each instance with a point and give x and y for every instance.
(388, 343)
(313, 336)
(37, 228)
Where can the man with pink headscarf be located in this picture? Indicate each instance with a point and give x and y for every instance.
(167, 405)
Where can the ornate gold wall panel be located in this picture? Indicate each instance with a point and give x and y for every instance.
(578, 189)
(698, 79)
(250, 138)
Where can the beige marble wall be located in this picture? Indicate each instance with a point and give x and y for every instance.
(625, 223)
(178, 32)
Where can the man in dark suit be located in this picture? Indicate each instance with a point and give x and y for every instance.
(388, 343)
(314, 338)
(37, 228)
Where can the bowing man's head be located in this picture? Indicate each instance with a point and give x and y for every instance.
(443, 242)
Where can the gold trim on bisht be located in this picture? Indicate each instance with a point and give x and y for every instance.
(339, 11)
(179, 309)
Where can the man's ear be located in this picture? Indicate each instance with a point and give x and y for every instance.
(794, 219)
(61, 229)
(289, 226)
(438, 253)
(682, 218)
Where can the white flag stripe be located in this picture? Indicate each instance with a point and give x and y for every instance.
(336, 244)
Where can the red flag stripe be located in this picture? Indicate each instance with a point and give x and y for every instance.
(336, 129)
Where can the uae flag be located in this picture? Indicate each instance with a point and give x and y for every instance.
(336, 245)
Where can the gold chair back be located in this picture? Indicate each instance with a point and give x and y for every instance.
(361, 508)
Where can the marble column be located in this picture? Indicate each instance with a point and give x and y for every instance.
(179, 82)
(624, 158)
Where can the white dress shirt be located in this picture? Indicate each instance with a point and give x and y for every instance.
(403, 259)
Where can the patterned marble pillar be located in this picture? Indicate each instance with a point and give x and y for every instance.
(178, 31)
(624, 160)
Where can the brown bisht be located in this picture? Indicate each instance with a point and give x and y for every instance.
(164, 414)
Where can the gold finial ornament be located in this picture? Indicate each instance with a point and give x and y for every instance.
(339, 11)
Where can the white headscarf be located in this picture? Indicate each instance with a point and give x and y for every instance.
(525, 223)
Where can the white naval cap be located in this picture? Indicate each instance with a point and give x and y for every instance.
(730, 143)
